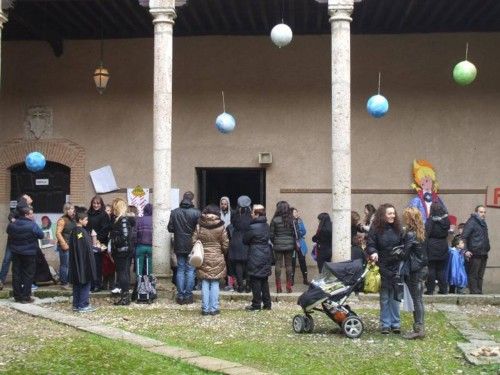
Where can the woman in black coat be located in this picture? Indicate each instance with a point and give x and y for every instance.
(282, 237)
(99, 222)
(259, 259)
(323, 239)
(385, 234)
(436, 229)
(238, 251)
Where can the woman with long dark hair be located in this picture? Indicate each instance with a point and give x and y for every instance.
(282, 238)
(436, 229)
(99, 222)
(300, 246)
(323, 239)
(365, 225)
(416, 265)
(385, 234)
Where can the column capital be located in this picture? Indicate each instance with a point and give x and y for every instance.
(162, 10)
(340, 10)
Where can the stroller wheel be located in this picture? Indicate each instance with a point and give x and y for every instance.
(352, 327)
(309, 323)
(299, 323)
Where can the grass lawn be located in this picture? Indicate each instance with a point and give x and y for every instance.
(488, 323)
(265, 340)
(31, 345)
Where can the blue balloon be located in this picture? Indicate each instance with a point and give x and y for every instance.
(35, 161)
(225, 123)
(377, 106)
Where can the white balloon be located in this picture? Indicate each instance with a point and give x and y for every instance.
(225, 123)
(281, 35)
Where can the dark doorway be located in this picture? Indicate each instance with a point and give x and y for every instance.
(214, 183)
(48, 188)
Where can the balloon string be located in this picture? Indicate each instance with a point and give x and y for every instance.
(379, 76)
(466, 50)
(282, 11)
(223, 102)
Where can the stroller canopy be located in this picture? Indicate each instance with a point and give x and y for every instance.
(346, 272)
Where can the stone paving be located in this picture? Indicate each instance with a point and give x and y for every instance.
(155, 346)
(477, 338)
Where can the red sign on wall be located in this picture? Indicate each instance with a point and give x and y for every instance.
(493, 196)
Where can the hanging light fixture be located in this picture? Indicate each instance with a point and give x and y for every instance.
(282, 34)
(101, 74)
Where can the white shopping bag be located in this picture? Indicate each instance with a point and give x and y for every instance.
(407, 300)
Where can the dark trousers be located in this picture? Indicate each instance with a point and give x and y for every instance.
(23, 272)
(416, 287)
(477, 266)
(323, 256)
(260, 292)
(97, 283)
(81, 294)
(437, 271)
(302, 264)
(240, 269)
(123, 273)
(283, 258)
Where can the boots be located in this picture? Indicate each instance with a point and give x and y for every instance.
(306, 282)
(278, 286)
(124, 299)
(289, 286)
(418, 333)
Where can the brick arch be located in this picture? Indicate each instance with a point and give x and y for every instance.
(61, 151)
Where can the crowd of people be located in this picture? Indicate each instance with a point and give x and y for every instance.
(97, 247)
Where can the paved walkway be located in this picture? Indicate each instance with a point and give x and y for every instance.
(151, 345)
(478, 340)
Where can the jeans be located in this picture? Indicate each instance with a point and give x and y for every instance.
(5, 264)
(97, 283)
(123, 273)
(476, 273)
(283, 257)
(63, 265)
(209, 295)
(143, 253)
(260, 292)
(416, 287)
(185, 277)
(389, 309)
(81, 294)
(23, 273)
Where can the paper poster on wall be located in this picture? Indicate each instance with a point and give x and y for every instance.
(103, 180)
(138, 197)
(174, 198)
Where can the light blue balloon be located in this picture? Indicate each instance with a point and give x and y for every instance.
(377, 106)
(225, 123)
(35, 161)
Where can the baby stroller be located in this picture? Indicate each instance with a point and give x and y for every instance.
(328, 294)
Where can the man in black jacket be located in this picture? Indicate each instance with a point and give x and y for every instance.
(477, 241)
(182, 224)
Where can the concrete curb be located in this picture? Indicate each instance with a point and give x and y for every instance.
(151, 345)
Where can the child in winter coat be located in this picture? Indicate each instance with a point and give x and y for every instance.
(82, 268)
(457, 276)
(259, 259)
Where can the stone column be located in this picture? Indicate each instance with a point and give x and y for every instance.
(340, 12)
(163, 12)
(3, 19)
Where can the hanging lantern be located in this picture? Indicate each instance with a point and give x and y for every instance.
(281, 35)
(101, 78)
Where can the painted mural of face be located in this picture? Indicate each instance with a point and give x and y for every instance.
(426, 183)
(390, 215)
